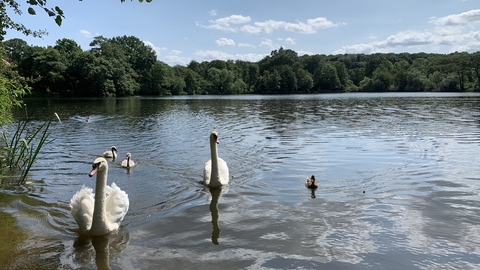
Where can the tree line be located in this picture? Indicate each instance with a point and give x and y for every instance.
(125, 66)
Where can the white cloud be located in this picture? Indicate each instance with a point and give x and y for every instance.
(409, 38)
(85, 33)
(245, 45)
(461, 19)
(448, 32)
(263, 27)
(225, 42)
(303, 52)
(233, 19)
(290, 41)
(218, 55)
(226, 23)
(229, 24)
(268, 43)
(174, 58)
(212, 12)
(310, 27)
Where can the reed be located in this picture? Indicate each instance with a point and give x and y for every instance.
(22, 149)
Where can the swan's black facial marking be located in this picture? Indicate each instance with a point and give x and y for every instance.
(94, 170)
(215, 137)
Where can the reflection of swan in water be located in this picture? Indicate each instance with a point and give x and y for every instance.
(213, 196)
(215, 172)
(102, 213)
(102, 249)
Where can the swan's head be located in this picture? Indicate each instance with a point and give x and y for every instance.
(99, 164)
(214, 137)
(129, 155)
(312, 178)
(114, 148)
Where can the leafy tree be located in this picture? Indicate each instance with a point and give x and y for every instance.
(178, 86)
(326, 78)
(288, 82)
(191, 84)
(12, 88)
(50, 68)
(342, 74)
(304, 81)
(272, 82)
(15, 50)
(382, 79)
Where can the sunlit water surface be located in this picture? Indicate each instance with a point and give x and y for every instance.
(399, 183)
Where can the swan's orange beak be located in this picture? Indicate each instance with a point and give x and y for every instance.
(217, 141)
(94, 171)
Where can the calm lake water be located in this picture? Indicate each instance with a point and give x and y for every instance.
(399, 182)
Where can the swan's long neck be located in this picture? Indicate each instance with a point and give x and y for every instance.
(99, 222)
(215, 176)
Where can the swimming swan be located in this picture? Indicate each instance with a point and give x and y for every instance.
(311, 182)
(111, 154)
(102, 212)
(215, 173)
(127, 163)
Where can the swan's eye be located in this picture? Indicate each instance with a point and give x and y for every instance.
(96, 165)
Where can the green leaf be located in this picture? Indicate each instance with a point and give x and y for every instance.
(31, 11)
(59, 11)
(32, 2)
(49, 12)
(58, 20)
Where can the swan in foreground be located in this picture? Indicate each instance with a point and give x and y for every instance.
(128, 163)
(102, 212)
(111, 154)
(311, 182)
(215, 173)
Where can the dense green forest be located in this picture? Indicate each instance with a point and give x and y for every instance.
(125, 66)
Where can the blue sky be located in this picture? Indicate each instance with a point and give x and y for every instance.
(185, 30)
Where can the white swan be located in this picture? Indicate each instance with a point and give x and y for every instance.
(311, 182)
(215, 173)
(128, 163)
(111, 154)
(102, 212)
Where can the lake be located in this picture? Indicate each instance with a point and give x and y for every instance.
(399, 183)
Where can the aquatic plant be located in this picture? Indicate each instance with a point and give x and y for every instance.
(21, 150)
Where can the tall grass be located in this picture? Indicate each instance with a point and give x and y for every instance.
(21, 150)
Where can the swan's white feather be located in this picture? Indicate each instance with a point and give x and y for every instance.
(110, 153)
(215, 174)
(124, 163)
(222, 172)
(108, 216)
(82, 204)
(117, 205)
(130, 163)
